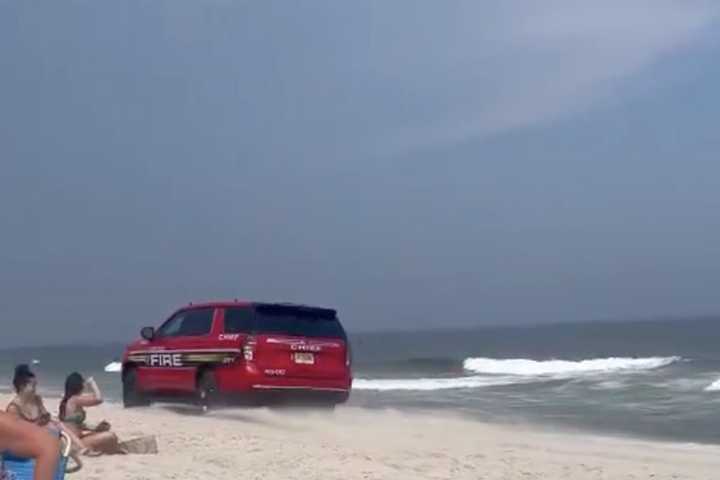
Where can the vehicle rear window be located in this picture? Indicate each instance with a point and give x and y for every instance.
(298, 321)
(238, 320)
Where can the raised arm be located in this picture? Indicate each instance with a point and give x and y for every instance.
(27, 440)
(91, 398)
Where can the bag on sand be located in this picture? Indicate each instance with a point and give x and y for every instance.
(141, 446)
(103, 426)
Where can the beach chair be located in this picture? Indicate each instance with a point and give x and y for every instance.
(16, 468)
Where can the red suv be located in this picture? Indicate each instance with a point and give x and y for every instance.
(217, 349)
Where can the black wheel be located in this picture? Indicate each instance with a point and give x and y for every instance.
(207, 392)
(336, 400)
(333, 400)
(341, 398)
(132, 397)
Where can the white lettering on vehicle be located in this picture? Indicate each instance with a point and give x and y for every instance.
(275, 371)
(165, 360)
(229, 336)
(301, 347)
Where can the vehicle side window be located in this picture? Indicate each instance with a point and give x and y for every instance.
(238, 320)
(172, 327)
(197, 322)
(188, 323)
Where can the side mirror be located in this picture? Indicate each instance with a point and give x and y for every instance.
(148, 333)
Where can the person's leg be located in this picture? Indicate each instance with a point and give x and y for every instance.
(27, 440)
(76, 444)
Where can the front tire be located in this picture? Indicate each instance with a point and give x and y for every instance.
(132, 397)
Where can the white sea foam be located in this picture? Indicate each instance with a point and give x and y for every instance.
(489, 372)
(525, 367)
(692, 384)
(714, 386)
(428, 384)
(609, 385)
(113, 367)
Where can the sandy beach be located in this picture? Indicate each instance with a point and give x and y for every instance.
(353, 443)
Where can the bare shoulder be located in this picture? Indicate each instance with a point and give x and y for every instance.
(12, 407)
(70, 404)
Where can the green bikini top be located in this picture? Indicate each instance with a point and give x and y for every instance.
(78, 418)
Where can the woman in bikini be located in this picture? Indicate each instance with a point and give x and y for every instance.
(28, 406)
(81, 394)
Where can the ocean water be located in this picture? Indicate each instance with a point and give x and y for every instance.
(658, 379)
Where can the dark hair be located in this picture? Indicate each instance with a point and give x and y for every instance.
(74, 385)
(23, 376)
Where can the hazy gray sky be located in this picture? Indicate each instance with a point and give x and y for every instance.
(413, 163)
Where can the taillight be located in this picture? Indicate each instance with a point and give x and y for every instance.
(249, 349)
(348, 355)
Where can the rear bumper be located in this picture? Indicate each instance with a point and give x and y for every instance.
(264, 387)
(242, 378)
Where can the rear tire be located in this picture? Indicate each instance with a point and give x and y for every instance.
(132, 397)
(337, 400)
(207, 391)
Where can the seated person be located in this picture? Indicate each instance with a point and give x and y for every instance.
(26, 440)
(79, 395)
(27, 405)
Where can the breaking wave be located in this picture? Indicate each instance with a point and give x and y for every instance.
(713, 387)
(429, 384)
(491, 372)
(113, 367)
(525, 367)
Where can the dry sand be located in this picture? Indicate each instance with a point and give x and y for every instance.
(353, 443)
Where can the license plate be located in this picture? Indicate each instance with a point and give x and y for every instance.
(304, 358)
